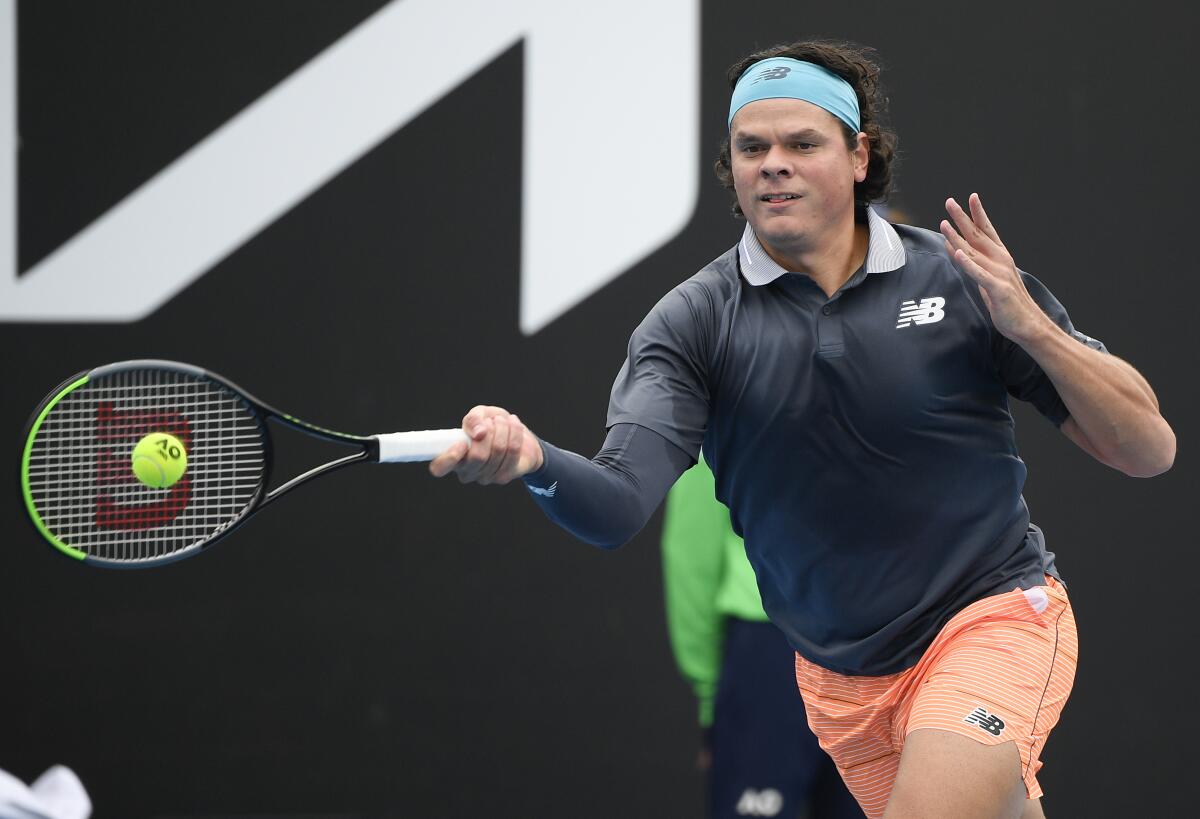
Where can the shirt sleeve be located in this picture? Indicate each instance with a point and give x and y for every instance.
(1022, 376)
(694, 527)
(664, 382)
(606, 500)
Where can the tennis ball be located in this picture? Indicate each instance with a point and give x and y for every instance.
(159, 460)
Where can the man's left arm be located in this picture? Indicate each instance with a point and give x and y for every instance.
(1114, 414)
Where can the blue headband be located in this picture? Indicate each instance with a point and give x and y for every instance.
(784, 77)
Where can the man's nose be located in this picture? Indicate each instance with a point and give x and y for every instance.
(775, 163)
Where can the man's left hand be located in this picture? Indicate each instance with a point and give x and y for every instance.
(976, 248)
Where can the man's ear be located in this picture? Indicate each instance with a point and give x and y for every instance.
(862, 156)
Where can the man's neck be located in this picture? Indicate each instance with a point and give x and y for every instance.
(831, 265)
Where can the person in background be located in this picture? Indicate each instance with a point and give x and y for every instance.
(757, 751)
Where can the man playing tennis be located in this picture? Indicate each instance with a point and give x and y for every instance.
(849, 380)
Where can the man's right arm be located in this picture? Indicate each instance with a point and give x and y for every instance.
(604, 501)
(657, 416)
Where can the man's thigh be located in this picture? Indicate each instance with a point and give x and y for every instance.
(944, 775)
(995, 680)
(999, 683)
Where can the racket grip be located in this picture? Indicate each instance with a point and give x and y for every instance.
(423, 445)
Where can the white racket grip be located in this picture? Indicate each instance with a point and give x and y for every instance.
(422, 445)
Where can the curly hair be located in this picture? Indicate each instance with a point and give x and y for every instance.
(853, 64)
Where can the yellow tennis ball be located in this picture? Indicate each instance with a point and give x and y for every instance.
(159, 460)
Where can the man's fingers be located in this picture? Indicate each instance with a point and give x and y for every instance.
(962, 254)
(494, 452)
(973, 269)
(478, 451)
(977, 229)
(968, 229)
(516, 446)
(498, 450)
(980, 218)
(510, 465)
(474, 422)
(962, 220)
(442, 465)
(954, 241)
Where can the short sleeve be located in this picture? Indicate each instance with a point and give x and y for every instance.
(1022, 376)
(664, 382)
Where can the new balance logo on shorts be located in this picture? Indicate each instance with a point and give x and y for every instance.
(927, 312)
(988, 722)
(548, 492)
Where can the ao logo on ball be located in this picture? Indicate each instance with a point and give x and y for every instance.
(159, 460)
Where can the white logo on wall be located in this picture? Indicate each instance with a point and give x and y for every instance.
(346, 100)
(927, 312)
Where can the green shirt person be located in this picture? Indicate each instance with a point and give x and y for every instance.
(760, 756)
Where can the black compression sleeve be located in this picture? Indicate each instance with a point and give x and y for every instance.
(607, 500)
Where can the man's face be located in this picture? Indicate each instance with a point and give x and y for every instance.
(793, 174)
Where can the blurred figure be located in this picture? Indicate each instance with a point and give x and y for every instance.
(759, 755)
(56, 794)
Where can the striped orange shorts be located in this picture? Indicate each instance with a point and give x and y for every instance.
(999, 671)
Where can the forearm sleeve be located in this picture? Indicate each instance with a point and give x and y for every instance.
(605, 501)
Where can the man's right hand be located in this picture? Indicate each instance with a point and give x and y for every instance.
(502, 449)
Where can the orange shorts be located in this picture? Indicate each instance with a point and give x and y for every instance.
(999, 671)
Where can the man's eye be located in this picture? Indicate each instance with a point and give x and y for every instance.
(804, 146)
(751, 149)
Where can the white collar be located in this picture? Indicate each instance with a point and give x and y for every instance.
(884, 252)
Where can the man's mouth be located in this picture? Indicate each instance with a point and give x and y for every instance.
(776, 198)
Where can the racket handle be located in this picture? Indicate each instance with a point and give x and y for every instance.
(424, 445)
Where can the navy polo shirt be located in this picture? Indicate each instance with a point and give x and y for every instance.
(862, 442)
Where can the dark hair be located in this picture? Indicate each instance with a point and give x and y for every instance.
(853, 64)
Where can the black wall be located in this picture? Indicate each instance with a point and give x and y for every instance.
(383, 644)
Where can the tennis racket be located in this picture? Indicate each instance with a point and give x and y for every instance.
(83, 496)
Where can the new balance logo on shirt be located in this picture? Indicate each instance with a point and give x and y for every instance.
(548, 492)
(927, 312)
(988, 722)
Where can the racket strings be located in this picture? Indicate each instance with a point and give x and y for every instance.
(80, 475)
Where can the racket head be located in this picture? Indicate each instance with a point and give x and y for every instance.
(76, 476)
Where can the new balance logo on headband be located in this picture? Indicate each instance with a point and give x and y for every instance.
(772, 74)
(927, 312)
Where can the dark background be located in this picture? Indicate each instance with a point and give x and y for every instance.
(384, 644)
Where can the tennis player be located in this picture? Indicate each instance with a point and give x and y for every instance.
(849, 379)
